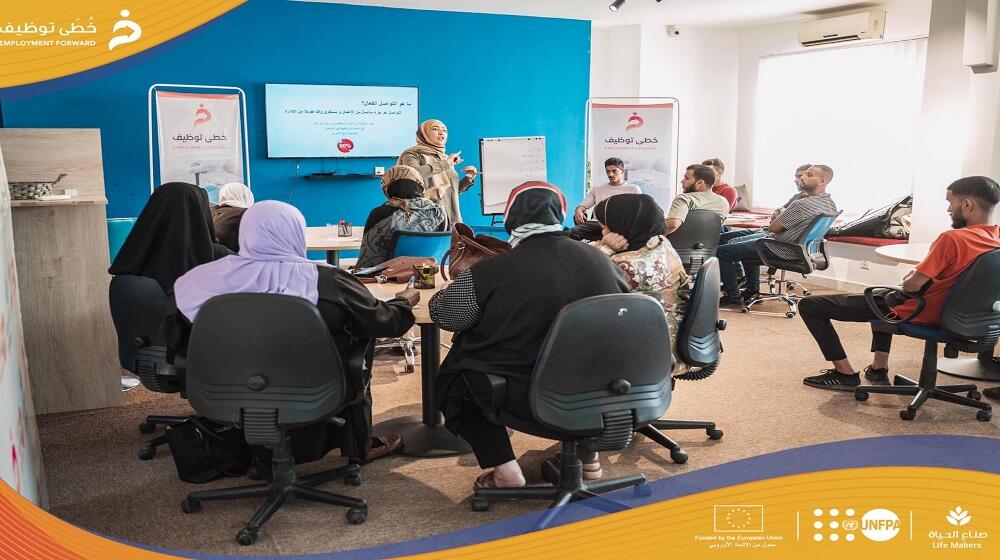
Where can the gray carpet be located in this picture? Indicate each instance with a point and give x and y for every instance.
(757, 397)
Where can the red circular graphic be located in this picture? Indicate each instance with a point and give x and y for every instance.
(345, 145)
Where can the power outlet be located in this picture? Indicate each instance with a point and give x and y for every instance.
(379, 171)
(865, 265)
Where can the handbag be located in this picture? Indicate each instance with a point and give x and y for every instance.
(398, 270)
(468, 248)
(204, 451)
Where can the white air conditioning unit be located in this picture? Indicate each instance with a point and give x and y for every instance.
(837, 29)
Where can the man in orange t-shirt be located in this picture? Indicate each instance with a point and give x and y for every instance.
(971, 201)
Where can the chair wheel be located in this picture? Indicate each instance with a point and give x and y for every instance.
(147, 428)
(246, 537)
(409, 369)
(190, 506)
(974, 395)
(357, 516)
(678, 457)
(907, 413)
(147, 452)
(744, 310)
(806, 293)
(790, 314)
(984, 415)
(480, 504)
(714, 433)
(861, 396)
(352, 480)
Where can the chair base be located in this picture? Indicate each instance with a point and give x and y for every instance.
(569, 487)
(779, 289)
(148, 449)
(905, 386)
(408, 346)
(677, 455)
(284, 485)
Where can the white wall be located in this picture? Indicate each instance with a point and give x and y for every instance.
(614, 61)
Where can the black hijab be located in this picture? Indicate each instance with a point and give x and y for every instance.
(534, 202)
(636, 217)
(174, 233)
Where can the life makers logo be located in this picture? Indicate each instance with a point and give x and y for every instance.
(958, 516)
(635, 121)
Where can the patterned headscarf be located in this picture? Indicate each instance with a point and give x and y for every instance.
(399, 172)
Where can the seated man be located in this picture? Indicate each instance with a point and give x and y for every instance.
(787, 225)
(697, 184)
(590, 230)
(800, 172)
(970, 203)
(720, 187)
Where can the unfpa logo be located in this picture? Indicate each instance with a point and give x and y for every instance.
(880, 525)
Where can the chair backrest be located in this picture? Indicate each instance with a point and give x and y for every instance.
(604, 368)
(698, 341)
(264, 362)
(138, 305)
(812, 240)
(697, 239)
(420, 244)
(972, 308)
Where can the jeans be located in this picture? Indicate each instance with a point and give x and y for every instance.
(817, 311)
(742, 248)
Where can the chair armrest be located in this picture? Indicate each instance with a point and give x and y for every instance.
(768, 244)
(497, 396)
(875, 297)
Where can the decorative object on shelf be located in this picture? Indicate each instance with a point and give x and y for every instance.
(32, 190)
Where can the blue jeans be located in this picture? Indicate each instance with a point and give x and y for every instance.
(743, 248)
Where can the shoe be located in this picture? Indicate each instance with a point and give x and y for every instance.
(390, 445)
(831, 379)
(877, 376)
(728, 301)
(591, 469)
(992, 393)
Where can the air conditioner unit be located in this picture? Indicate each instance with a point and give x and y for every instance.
(837, 29)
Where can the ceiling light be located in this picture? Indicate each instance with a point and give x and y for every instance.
(616, 5)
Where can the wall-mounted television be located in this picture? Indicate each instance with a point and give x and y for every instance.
(319, 121)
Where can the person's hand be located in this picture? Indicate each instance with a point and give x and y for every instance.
(454, 158)
(615, 242)
(411, 295)
(470, 172)
(580, 215)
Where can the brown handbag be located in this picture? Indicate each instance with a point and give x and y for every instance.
(397, 270)
(467, 249)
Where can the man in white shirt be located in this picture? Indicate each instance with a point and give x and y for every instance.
(591, 230)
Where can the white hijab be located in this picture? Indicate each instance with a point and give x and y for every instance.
(235, 194)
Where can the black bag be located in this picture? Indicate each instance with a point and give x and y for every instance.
(892, 222)
(204, 451)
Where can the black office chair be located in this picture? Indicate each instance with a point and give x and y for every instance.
(591, 392)
(969, 322)
(699, 346)
(138, 306)
(266, 363)
(697, 240)
(809, 252)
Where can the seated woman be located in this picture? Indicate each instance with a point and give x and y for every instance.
(406, 210)
(501, 309)
(173, 234)
(234, 199)
(634, 236)
(272, 260)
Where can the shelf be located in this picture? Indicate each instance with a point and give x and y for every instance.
(320, 176)
(75, 201)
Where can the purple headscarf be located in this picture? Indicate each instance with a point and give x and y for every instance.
(272, 260)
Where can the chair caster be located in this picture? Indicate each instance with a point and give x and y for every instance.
(744, 310)
(789, 314)
(861, 396)
(409, 369)
(190, 506)
(247, 537)
(806, 293)
(147, 428)
(678, 457)
(974, 395)
(352, 480)
(984, 415)
(714, 434)
(357, 516)
(147, 452)
(907, 413)
(480, 504)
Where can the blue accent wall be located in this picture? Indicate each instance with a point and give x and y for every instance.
(483, 75)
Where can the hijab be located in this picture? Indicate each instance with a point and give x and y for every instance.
(173, 234)
(636, 217)
(532, 208)
(424, 144)
(272, 260)
(402, 191)
(236, 195)
(399, 172)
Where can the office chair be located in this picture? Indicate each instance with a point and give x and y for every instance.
(810, 255)
(969, 322)
(699, 346)
(415, 244)
(138, 305)
(697, 239)
(266, 363)
(589, 391)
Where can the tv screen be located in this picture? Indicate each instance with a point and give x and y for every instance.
(339, 121)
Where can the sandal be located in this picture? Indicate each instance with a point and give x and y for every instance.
(390, 446)
(485, 480)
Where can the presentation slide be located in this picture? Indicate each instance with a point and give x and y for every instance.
(339, 121)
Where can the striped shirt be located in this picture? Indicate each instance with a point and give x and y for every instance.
(797, 217)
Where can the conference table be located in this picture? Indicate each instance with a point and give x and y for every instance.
(984, 366)
(326, 238)
(425, 436)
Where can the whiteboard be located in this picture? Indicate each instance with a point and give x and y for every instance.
(506, 163)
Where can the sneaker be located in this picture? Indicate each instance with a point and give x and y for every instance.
(831, 379)
(992, 393)
(877, 376)
(728, 301)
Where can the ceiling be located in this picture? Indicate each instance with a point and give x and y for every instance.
(702, 13)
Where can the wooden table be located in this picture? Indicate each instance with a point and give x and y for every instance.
(911, 253)
(425, 436)
(325, 238)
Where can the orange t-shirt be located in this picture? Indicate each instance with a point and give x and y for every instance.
(950, 254)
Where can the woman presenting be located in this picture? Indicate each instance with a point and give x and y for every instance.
(438, 168)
